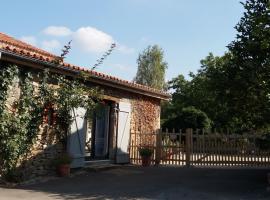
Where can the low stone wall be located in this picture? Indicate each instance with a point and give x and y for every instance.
(39, 161)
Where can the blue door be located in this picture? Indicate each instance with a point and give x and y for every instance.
(101, 142)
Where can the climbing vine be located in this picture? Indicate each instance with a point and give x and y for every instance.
(7, 143)
(21, 118)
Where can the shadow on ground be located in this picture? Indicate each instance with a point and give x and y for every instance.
(152, 183)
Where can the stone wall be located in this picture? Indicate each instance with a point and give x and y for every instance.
(145, 114)
(145, 118)
(38, 161)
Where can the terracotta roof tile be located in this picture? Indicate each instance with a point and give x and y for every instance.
(19, 47)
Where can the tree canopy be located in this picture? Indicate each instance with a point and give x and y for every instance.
(151, 68)
(248, 88)
(233, 90)
(188, 117)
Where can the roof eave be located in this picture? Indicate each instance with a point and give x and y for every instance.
(8, 56)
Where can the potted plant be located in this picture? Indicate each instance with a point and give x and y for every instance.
(62, 164)
(146, 154)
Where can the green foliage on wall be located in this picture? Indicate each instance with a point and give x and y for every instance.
(20, 122)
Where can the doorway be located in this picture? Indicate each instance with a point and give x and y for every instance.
(105, 136)
(98, 134)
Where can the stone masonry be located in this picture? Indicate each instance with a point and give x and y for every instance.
(145, 118)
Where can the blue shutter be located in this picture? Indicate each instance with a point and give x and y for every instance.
(123, 135)
(76, 137)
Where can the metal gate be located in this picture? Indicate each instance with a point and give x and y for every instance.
(201, 148)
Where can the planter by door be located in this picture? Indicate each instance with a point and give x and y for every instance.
(63, 170)
(123, 134)
(146, 161)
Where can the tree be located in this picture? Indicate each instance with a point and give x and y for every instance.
(233, 89)
(202, 91)
(151, 68)
(248, 91)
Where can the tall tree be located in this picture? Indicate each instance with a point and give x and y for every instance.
(248, 91)
(151, 68)
(234, 89)
(201, 92)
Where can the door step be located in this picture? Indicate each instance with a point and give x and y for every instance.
(99, 165)
(98, 162)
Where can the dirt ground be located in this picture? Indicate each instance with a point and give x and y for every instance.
(131, 182)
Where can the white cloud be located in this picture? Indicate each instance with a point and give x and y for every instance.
(29, 39)
(57, 31)
(90, 39)
(50, 45)
(87, 39)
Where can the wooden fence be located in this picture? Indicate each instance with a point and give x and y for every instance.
(200, 148)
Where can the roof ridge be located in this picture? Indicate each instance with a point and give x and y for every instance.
(25, 45)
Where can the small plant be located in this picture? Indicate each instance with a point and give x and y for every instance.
(64, 159)
(145, 151)
(62, 164)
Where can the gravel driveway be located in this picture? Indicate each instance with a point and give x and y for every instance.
(149, 183)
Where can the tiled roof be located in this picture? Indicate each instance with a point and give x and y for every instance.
(15, 46)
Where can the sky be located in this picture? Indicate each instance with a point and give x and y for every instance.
(186, 30)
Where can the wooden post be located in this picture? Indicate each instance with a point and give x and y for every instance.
(188, 146)
(158, 146)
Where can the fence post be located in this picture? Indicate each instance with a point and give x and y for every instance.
(158, 146)
(188, 146)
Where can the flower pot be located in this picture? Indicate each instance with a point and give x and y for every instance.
(146, 161)
(63, 170)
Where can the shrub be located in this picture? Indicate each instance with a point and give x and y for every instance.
(13, 176)
(145, 151)
(188, 117)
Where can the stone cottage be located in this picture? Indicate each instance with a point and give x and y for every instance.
(130, 108)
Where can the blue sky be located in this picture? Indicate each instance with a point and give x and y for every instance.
(187, 30)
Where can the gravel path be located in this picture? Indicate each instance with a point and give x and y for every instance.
(150, 183)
